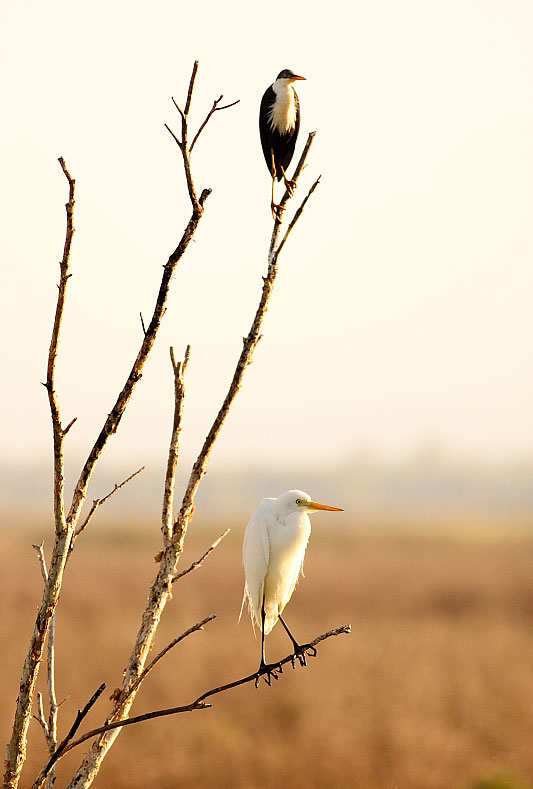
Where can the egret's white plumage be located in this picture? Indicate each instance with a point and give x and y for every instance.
(273, 553)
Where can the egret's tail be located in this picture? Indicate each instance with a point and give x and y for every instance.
(255, 615)
(244, 597)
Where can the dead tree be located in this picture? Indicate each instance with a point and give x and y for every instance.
(69, 525)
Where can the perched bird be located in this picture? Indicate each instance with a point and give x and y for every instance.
(273, 553)
(279, 122)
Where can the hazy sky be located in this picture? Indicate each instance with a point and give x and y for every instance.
(403, 309)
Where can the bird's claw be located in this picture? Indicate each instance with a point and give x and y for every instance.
(277, 211)
(301, 653)
(290, 186)
(267, 671)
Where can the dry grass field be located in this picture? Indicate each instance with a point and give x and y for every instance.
(432, 690)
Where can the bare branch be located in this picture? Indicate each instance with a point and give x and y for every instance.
(142, 323)
(112, 422)
(213, 109)
(344, 629)
(191, 88)
(98, 503)
(61, 750)
(199, 561)
(249, 345)
(167, 127)
(167, 514)
(298, 171)
(50, 726)
(197, 704)
(66, 524)
(177, 107)
(183, 143)
(161, 587)
(42, 560)
(40, 715)
(58, 433)
(65, 431)
(171, 645)
(16, 748)
(296, 216)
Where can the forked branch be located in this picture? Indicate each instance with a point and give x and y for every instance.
(199, 562)
(66, 523)
(161, 587)
(249, 345)
(197, 704)
(214, 108)
(16, 748)
(98, 503)
(183, 143)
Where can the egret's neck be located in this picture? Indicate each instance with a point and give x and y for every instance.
(282, 115)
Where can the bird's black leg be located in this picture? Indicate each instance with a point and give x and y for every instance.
(267, 669)
(300, 651)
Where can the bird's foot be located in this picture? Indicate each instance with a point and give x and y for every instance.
(267, 671)
(301, 652)
(290, 186)
(277, 211)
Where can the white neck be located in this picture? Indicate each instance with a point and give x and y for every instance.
(282, 116)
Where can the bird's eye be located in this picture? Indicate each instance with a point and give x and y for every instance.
(298, 502)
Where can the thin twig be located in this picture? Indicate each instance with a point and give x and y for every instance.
(297, 215)
(167, 127)
(191, 88)
(199, 561)
(62, 749)
(58, 432)
(344, 629)
(197, 704)
(65, 431)
(171, 645)
(40, 715)
(298, 171)
(184, 140)
(42, 560)
(213, 109)
(177, 107)
(98, 503)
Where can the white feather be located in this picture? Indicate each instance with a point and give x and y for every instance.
(273, 552)
(282, 114)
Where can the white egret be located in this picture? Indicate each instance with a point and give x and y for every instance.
(273, 553)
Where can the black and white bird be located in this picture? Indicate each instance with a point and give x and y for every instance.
(279, 123)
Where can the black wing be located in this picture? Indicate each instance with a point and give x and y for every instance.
(269, 97)
(271, 140)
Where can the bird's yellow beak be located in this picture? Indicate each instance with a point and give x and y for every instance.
(295, 77)
(314, 505)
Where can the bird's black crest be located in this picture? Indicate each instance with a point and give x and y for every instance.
(285, 74)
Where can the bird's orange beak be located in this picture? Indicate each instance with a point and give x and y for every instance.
(295, 76)
(316, 506)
